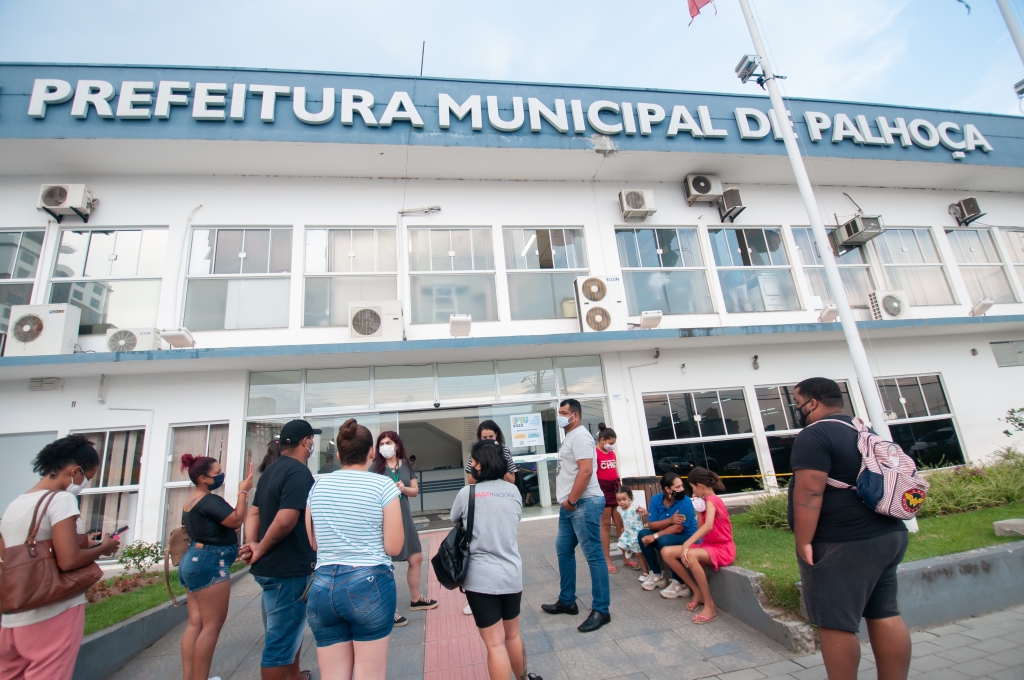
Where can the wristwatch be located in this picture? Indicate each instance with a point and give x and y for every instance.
(655, 534)
(573, 504)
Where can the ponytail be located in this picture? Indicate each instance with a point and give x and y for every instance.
(699, 475)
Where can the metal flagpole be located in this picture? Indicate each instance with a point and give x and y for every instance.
(1011, 24)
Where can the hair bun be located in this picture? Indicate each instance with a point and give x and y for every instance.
(348, 429)
(186, 460)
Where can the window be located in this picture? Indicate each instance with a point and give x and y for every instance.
(853, 268)
(980, 265)
(753, 270)
(1015, 246)
(347, 265)
(199, 440)
(234, 279)
(663, 270)
(919, 419)
(542, 265)
(781, 420)
(912, 265)
(1008, 353)
(19, 257)
(452, 272)
(110, 500)
(113, 276)
(708, 429)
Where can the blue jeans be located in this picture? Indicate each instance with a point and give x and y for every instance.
(207, 566)
(351, 603)
(582, 527)
(284, 618)
(651, 551)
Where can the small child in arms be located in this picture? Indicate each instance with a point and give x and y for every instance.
(631, 525)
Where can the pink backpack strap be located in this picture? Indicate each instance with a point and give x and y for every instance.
(835, 483)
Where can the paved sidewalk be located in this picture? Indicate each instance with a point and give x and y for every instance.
(649, 638)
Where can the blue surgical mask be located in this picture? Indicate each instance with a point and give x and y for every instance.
(562, 421)
(218, 481)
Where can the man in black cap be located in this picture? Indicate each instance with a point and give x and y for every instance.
(279, 551)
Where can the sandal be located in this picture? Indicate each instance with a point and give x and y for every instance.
(533, 676)
(693, 606)
(700, 619)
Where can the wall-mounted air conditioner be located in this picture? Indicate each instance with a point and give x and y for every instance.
(636, 203)
(856, 232)
(601, 304)
(133, 339)
(59, 200)
(705, 188)
(42, 329)
(965, 211)
(889, 304)
(376, 320)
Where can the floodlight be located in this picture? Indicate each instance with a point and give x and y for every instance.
(829, 314)
(748, 64)
(459, 325)
(982, 306)
(650, 319)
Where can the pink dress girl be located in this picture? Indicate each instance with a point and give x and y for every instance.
(718, 542)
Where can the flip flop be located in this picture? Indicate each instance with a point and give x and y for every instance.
(693, 606)
(700, 619)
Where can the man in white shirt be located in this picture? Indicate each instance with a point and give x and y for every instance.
(579, 519)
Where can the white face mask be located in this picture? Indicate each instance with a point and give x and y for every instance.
(610, 448)
(387, 450)
(563, 422)
(77, 488)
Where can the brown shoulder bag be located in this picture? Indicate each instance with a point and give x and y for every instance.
(30, 576)
(177, 546)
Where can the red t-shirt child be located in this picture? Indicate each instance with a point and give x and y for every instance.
(607, 466)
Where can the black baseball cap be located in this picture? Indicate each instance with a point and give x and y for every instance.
(297, 430)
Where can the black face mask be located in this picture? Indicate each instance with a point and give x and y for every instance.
(801, 417)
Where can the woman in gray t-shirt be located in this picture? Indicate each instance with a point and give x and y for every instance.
(494, 579)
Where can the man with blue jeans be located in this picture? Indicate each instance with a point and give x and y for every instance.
(579, 519)
(671, 521)
(280, 553)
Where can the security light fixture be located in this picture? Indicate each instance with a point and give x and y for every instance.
(748, 64)
(829, 314)
(420, 211)
(650, 319)
(178, 337)
(756, 365)
(965, 211)
(982, 306)
(459, 325)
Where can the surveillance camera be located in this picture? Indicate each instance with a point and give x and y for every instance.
(437, 404)
(1019, 89)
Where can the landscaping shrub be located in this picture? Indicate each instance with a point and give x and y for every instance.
(769, 511)
(968, 487)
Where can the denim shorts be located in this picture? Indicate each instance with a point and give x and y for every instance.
(351, 603)
(203, 567)
(284, 618)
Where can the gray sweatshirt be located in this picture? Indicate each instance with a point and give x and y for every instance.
(495, 567)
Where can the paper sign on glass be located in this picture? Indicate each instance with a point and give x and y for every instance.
(527, 431)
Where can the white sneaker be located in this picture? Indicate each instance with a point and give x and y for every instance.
(467, 610)
(675, 589)
(643, 577)
(654, 581)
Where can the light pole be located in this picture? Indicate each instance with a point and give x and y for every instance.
(1011, 24)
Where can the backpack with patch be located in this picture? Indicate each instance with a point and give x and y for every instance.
(887, 481)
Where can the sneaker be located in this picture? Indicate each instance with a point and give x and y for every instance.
(674, 590)
(643, 576)
(400, 620)
(423, 603)
(654, 581)
(467, 610)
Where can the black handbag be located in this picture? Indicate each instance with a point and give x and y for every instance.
(452, 559)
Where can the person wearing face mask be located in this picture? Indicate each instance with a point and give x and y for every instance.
(670, 522)
(608, 479)
(211, 524)
(280, 553)
(391, 461)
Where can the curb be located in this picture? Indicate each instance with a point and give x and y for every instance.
(106, 651)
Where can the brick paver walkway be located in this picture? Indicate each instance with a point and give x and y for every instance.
(649, 638)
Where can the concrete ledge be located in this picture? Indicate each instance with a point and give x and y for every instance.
(106, 651)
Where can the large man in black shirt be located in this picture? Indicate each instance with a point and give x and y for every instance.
(847, 552)
(279, 551)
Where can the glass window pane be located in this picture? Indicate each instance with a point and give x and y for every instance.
(387, 251)
(274, 393)
(483, 252)
(805, 246)
(927, 245)
(462, 246)
(441, 251)
(126, 253)
(690, 248)
(529, 253)
(580, 375)
(316, 251)
(575, 249)
(763, 290)
(101, 250)
(189, 439)
(280, 251)
(219, 304)
(419, 250)
(542, 295)
(773, 412)
(71, 254)
(152, 252)
(932, 443)
(757, 247)
(123, 458)
(559, 256)
(403, 384)
(890, 397)
(857, 283)
(436, 297)
(734, 411)
(257, 251)
(668, 241)
(934, 396)
(465, 381)
(202, 251)
(335, 388)
(229, 245)
(684, 416)
(327, 297)
(544, 249)
(736, 460)
(325, 459)
(673, 292)
(900, 246)
(773, 239)
(648, 246)
(913, 399)
(107, 512)
(987, 282)
(13, 294)
(513, 243)
(9, 242)
(629, 256)
(1015, 246)
(710, 412)
(110, 304)
(521, 377)
(723, 246)
(923, 285)
(364, 248)
(659, 418)
(28, 255)
(341, 253)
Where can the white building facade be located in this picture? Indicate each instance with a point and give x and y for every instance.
(253, 219)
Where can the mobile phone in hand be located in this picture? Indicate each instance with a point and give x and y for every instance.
(119, 531)
(250, 470)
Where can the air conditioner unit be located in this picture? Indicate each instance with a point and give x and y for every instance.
(42, 329)
(635, 203)
(889, 304)
(856, 232)
(133, 339)
(730, 205)
(376, 320)
(66, 199)
(601, 304)
(965, 211)
(705, 188)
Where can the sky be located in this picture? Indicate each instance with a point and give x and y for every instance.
(928, 53)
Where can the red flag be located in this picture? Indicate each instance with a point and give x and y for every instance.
(695, 6)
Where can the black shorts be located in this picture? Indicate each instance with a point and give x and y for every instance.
(489, 609)
(854, 580)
